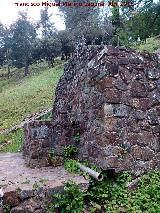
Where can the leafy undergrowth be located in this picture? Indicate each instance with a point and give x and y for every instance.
(151, 45)
(32, 94)
(12, 142)
(111, 196)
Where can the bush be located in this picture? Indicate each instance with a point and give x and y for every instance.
(112, 196)
(72, 200)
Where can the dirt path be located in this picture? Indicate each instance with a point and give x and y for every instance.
(14, 174)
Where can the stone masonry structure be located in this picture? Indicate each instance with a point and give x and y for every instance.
(111, 97)
(37, 143)
(108, 105)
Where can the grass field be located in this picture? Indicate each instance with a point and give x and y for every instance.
(13, 141)
(21, 97)
(28, 96)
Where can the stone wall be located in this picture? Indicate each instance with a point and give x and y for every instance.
(37, 143)
(111, 97)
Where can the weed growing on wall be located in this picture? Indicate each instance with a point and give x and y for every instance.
(70, 151)
(71, 166)
(77, 137)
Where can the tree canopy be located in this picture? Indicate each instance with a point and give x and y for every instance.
(24, 42)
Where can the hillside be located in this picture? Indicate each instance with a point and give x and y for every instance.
(23, 97)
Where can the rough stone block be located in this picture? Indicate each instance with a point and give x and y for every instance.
(112, 96)
(153, 74)
(11, 198)
(37, 143)
(138, 89)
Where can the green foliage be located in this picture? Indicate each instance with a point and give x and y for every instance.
(5, 47)
(47, 48)
(108, 192)
(51, 154)
(69, 151)
(142, 23)
(71, 166)
(131, 24)
(151, 45)
(113, 196)
(67, 43)
(47, 26)
(6, 208)
(77, 137)
(147, 197)
(36, 186)
(115, 15)
(23, 34)
(81, 21)
(72, 200)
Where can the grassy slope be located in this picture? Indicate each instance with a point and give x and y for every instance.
(26, 96)
(31, 95)
(14, 141)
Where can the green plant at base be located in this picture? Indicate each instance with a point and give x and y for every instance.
(72, 200)
(51, 154)
(113, 196)
(147, 196)
(150, 45)
(77, 137)
(36, 186)
(71, 166)
(70, 151)
(108, 194)
(6, 208)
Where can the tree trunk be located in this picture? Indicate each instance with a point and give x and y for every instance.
(49, 63)
(62, 57)
(26, 70)
(8, 68)
(52, 62)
